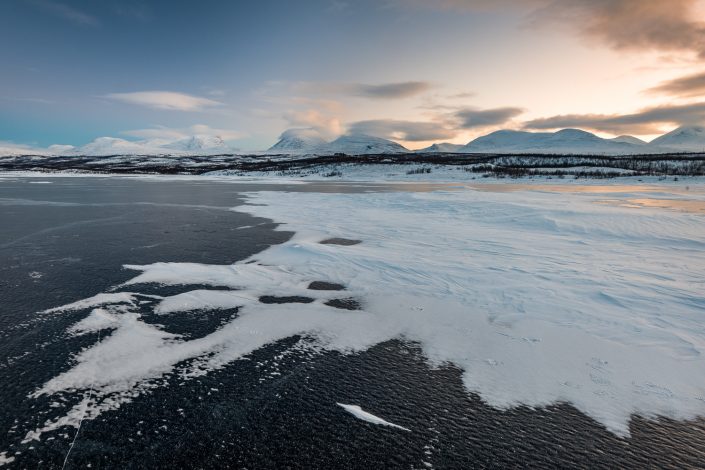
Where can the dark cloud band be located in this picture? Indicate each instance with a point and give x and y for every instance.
(646, 121)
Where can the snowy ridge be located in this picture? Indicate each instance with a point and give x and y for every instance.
(360, 144)
(629, 139)
(108, 146)
(299, 141)
(564, 141)
(199, 145)
(686, 139)
(442, 148)
(307, 141)
(576, 141)
(194, 145)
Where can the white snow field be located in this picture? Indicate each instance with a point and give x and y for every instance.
(538, 295)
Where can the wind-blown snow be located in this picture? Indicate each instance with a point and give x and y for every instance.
(5, 459)
(538, 297)
(95, 301)
(359, 413)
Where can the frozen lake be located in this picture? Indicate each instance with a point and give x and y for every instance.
(174, 323)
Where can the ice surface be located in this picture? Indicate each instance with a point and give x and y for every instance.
(538, 297)
(359, 413)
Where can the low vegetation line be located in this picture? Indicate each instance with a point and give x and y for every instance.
(516, 165)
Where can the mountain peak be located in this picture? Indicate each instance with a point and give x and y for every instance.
(565, 141)
(299, 141)
(443, 147)
(358, 144)
(628, 139)
(684, 138)
(200, 143)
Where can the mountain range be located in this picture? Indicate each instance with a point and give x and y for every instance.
(576, 141)
(566, 141)
(107, 146)
(309, 142)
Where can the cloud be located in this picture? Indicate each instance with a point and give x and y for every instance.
(28, 100)
(643, 122)
(666, 25)
(66, 12)
(320, 114)
(301, 133)
(379, 91)
(470, 5)
(472, 118)
(170, 133)
(338, 6)
(633, 24)
(442, 126)
(168, 100)
(688, 86)
(389, 90)
(461, 95)
(411, 131)
(11, 148)
(324, 123)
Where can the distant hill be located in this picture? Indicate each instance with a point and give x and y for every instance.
(299, 141)
(360, 144)
(684, 139)
(200, 144)
(566, 141)
(442, 148)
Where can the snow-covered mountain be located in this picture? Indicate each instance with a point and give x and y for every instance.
(299, 141)
(683, 139)
(8, 149)
(308, 141)
(566, 141)
(113, 146)
(200, 145)
(629, 139)
(442, 148)
(194, 145)
(360, 144)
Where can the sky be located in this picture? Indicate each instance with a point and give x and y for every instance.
(414, 71)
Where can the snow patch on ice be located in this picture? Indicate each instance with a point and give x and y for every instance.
(95, 301)
(5, 459)
(359, 413)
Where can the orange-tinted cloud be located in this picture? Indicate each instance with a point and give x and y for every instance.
(670, 25)
(688, 86)
(664, 25)
(644, 122)
(473, 118)
(410, 131)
